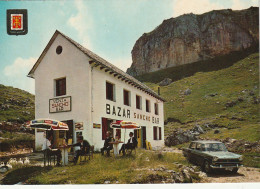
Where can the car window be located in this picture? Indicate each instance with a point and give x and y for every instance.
(198, 147)
(216, 147)
(203, 147)
(193, 145)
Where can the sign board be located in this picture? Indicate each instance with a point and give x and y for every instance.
(78, 126)
(62, 104)
(95, 125)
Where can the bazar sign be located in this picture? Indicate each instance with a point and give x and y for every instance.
(122, 112)
(62, 104)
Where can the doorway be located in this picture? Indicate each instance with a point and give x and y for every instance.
(69, 133)
(106, 127)
(143, 136)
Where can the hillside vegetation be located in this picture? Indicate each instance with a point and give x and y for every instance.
(16, 105)
(227, 98)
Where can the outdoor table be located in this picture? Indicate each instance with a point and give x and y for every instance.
(64, 154)
(115, 145)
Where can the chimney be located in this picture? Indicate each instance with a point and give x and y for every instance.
(159, 91)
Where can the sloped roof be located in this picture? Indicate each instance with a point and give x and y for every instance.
(98, 62)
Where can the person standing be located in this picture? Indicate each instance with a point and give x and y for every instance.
(107, 146)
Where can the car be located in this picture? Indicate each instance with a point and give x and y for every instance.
(212, 155)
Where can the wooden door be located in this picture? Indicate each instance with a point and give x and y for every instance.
(143, 132)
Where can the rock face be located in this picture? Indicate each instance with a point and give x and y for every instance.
(190, 38)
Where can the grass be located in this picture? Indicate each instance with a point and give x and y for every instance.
(20, 105)
(131, 169)
(210, 93)
(16, 139)
(251, 159)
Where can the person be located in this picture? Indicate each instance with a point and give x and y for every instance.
(84, 148)
(117, 137)
(131, 144)
(107, 146)
(48, 145)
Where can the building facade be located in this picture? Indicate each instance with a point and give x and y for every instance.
(74, 85)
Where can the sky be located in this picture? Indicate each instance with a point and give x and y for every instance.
(109, 28)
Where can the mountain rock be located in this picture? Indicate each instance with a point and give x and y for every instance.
(190, 38)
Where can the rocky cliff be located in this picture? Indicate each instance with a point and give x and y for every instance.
(190, 38)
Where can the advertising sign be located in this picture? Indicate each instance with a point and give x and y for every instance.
(62, 104)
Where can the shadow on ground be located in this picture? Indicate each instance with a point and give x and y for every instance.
(22, 174)
(223, 173)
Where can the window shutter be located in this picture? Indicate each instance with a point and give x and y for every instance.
(160, 133)
(104, 128)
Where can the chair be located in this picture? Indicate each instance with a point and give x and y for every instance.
(48, 157)
(129, 151)
(90, 154)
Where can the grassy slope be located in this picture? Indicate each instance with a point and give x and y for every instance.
(20, 102)
(131, 169)
(241, 80)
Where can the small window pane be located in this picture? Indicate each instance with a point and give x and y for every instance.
(61, 87)
(126, 98)
(156, 109)
(138, 102)
(110, 91)
(147, 105)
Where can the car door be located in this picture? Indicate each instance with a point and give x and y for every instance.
(191, 154)
(198, 156)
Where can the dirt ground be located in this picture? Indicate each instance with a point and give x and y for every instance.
(244, 174)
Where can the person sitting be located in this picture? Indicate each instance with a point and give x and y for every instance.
(107, 146)
(48, 147)
(131, 144)
(84, 148)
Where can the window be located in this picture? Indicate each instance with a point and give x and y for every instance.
(126, 97)
(138, 102)
(110, 91)
(192, 145)
(147, 102)
(60, 87)
(198, 147)
(155, 133)
(160, 133)
(156, 109)
(59, 50)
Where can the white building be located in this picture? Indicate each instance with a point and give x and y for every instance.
(74, 85)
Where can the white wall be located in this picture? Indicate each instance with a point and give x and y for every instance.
(73, 65)
(99, 103)
(80, 81)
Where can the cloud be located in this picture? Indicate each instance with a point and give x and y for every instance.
(82, 23)
(243, 4)
(16, 73)
(123, 63)
(198, 7)
(191, 6)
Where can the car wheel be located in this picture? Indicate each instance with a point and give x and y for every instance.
(207, 167)
(234, 170)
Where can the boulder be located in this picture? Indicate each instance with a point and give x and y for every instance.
(187, 92)
(165, 82)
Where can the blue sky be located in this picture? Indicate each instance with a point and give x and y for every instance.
(109, 28)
